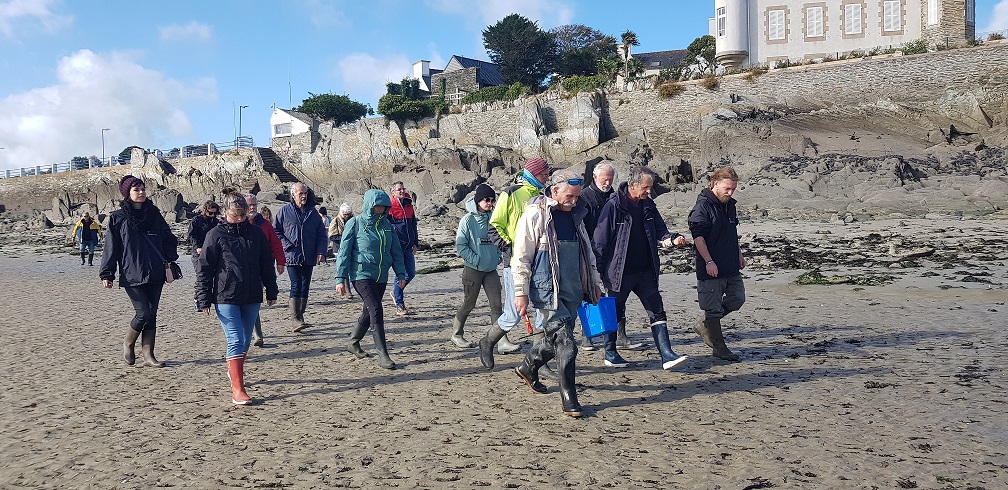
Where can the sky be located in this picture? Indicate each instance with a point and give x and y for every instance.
(172, 73)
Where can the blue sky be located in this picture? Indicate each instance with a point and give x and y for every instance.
(165, 74)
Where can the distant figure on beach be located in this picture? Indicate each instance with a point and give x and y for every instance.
(266, 213)
(404, 222)
(137, 245)
(480, 258)
(326, 221)
(87, 232)
(626, 241)
(595, 196)
(300, 229)
(276, 248)
(235, 266)
(336, 233)
(554, 271)
(199, 225)
(503, 221)
(719, 261)
(367, 250)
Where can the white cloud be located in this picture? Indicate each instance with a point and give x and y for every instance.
(193, 31)
(325, 15)
(364, 76)
(548, 13)
(999, 21)
(23, 13)
(94, 91)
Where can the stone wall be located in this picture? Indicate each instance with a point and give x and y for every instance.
(464, 80)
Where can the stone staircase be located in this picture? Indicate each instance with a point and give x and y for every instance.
(273, 164)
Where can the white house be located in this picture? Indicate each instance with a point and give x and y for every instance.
(768, 31)
(290, 123)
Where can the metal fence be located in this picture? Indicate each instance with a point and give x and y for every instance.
(84, 163)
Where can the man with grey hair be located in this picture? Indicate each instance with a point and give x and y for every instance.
(554, 271)
(626, 241)
(595, 196)
(303, 236)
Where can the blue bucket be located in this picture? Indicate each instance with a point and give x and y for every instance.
(598, 319)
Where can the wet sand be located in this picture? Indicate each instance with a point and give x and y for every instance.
(841, 386)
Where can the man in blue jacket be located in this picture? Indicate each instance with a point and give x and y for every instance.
(719, 261)
(304, 238)
(626, 245)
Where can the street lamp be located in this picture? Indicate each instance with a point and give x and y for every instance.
(103, 144)
(238, 143)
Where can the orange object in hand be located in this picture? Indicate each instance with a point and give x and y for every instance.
(528, 324)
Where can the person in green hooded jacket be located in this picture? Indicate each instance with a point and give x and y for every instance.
(480, 258)
(367, 249)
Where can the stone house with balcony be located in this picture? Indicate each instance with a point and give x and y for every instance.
(750, 32)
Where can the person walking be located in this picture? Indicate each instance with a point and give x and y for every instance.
(367, 249)
(404, 222)
(86, 232)
(137, 246)
(199, 225)
(236, 264)
(503, 221)
(626, 242)
(713, 222)
(595, 196)
(554, 271)
(480, 258)
(336, 233)
(304, 239)
(276, 249)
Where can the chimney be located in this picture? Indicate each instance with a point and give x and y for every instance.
(421, 71)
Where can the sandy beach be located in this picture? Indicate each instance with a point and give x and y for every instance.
(846, 385)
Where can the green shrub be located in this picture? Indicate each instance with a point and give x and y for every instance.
(915, 47)
(710, 82)
(668, 90)
(401, 108)
(578, 84)
(493, 94)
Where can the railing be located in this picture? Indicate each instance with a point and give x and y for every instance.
(93, 162)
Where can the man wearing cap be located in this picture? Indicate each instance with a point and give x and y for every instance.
(503, 221)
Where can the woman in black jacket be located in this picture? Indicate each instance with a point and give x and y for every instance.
(234, 267)
(137, 245)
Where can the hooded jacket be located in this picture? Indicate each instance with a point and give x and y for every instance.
(129, 252)
(612, 236)
(471, 240)
(509, 209)
(301, 232)
(717, 223)
(536, 265)
(402, 216)
(369, 246)
(235, 266)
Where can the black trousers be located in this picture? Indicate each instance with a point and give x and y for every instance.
(145, 298)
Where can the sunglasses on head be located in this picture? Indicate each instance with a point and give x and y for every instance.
(575, 181)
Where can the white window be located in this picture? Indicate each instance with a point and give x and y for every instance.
(775, 25)
(852, 18)
(971, 11)
(814, 22)
(282, 129)
(892, 14)
(721, 21)
(932, 12)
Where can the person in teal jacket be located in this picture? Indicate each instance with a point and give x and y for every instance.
(367, 249)
(480, 258)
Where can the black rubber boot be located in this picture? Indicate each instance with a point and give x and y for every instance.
(90, 260)
(355, 337)
(487, 343)
(612, 357)
(293, 307)
(302, 306)
(621, 338)
(529, 368)
(129, 344)
(257, 335)
(546, 372)
(566, 352)
(82, 256)
(659, 331)
(378, 333)
(721, 350)
(147, 339)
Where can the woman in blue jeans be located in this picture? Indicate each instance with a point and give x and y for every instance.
(235, 265)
